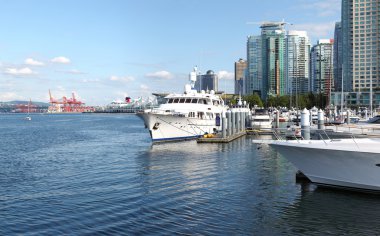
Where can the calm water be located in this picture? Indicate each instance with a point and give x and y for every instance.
(100, 174)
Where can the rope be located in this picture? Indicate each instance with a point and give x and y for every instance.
(176, 126)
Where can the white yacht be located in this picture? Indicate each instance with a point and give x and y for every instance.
(185, 116)
(346, 163)
(314, 113)
(261, 119)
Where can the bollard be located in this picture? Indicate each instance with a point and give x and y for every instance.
(224, 125)
(348, 117)
(321, 120)
(305, 124)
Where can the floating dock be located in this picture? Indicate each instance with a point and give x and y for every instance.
(221, 139)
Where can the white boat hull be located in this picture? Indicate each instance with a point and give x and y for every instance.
(349, 167)
(169, 127)
(261, 125)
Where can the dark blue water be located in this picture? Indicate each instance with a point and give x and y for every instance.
(100, 174)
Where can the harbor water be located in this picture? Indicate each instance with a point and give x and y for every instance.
(100, 174)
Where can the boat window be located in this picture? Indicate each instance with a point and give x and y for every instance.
(176, 100)
(182, 100)
(191, 114)
(202, 101)
(201, 115)
(188, 100)
(194, 100)
(216, 102)
(170, 100)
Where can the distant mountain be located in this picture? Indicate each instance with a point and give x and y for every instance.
(40, 104)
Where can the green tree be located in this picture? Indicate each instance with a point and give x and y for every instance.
(253, 99)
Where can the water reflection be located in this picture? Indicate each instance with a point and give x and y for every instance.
(332, 212)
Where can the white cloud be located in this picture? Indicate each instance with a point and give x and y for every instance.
(32, 62)
(122, 79)
(9, 96)
(19, 72)
(73, 72)
(225, 75)
(160, 75)
(317, 30)
(61, 60)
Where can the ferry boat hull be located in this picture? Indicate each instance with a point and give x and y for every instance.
(348, 166)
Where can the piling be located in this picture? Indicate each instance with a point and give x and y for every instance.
(233, 118)
(248, 119)
(321, 120)
(277, 119)
(237, 121)
(229, 123)
(224, 125)
(242, 120)
(305, 124)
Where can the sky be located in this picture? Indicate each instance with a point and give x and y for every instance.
(104, 50)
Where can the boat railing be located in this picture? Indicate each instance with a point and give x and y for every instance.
(295, 133)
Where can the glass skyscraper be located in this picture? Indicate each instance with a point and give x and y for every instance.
(273, 52)
(254, 79)
(297, 61)
(240, 69)
(207, 82)
(338, 57)
(322, 67)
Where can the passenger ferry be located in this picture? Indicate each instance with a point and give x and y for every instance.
(185, 116)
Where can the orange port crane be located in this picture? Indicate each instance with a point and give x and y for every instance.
(67, 104)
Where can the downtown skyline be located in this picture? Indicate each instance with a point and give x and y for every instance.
(106, 50)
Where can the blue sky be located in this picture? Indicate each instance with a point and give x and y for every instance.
(104, 50)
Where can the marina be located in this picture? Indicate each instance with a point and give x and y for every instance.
(177, 118)
(108, 178)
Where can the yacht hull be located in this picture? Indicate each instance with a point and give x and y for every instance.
(348, 168)
(169, 127)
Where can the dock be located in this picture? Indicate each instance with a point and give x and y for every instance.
(259, 131)
(221, 139)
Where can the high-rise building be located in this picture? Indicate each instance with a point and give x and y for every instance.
(207, 82)
(273, 51)
(338, 57)
(297, 61)
(347, 44)
(322, 67)
(361, 44)
(254, 78)
(240, 68)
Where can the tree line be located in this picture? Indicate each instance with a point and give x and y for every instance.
(300, 101)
